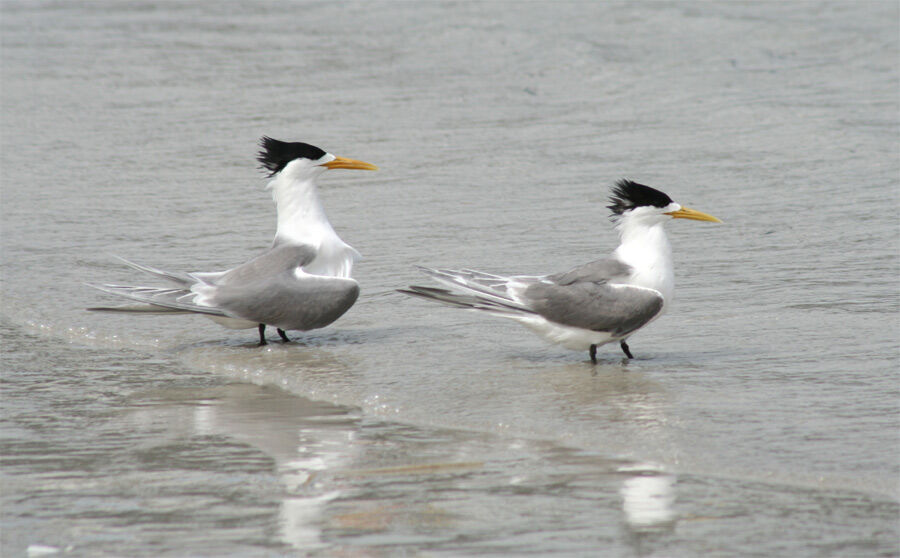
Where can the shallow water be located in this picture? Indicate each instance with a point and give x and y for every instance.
(759, 418)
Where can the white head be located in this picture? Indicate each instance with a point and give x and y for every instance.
(303, 162)
(293, 168)
(640, 205)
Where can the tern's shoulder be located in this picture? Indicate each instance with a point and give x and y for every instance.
(598, 271)
(280, 258)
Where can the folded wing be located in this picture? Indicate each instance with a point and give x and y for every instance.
(273, 289)
(587, 297)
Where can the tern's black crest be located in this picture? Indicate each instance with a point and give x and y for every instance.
(627, 195)
(275, 154)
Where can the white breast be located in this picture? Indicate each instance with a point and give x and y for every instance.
(648, 252)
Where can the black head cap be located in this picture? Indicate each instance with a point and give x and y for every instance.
(628, 195)
(275, 155)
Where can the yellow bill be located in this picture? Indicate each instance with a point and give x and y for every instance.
(687, 213)
(344, 163)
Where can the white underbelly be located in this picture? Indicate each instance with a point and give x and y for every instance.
(574, 338)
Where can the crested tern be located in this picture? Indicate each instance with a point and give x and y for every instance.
(301, 282)
(600, 302)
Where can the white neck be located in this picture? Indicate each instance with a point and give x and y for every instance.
(302, 220)
(301, 217)
(645, 247)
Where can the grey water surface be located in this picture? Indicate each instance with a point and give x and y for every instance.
(760, 417)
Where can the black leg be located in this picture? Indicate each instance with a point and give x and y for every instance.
(624, 346)
(283, 335)
(594, 354)
(262, 335)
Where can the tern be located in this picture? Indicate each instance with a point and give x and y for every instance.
(301, 282)
(600, 302)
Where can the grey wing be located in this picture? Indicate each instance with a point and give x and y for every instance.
(157, 299)
(486, 285)
(251, 283)
(287, 302)
(279, 259)
(598, 306)
(598, 271)
(176, 277)
(268, 290)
